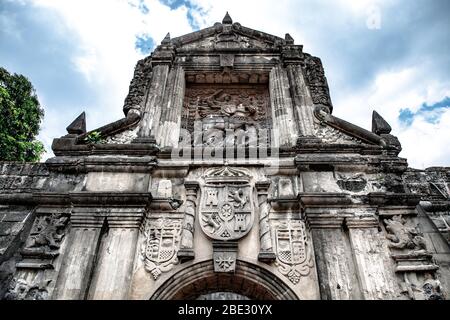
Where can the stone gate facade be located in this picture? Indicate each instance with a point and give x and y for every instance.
(229, 177)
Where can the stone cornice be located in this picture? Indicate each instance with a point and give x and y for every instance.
(119, 217)
(384, 199)
(324, 199)
(144, 164)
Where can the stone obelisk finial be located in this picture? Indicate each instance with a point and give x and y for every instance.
(227, 19)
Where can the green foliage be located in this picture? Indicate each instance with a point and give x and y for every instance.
(20, 119)
(94, 137)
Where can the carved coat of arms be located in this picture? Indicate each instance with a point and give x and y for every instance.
(293, 252)
(159, 250)
(226, 211)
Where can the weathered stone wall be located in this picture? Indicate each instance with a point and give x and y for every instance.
(434, 186)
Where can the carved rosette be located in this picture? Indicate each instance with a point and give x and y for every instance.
(160, 247)
(293, 250)
(226, 211)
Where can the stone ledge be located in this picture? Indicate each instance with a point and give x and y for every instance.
(69, 198)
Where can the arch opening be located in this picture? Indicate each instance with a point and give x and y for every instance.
(248, 282)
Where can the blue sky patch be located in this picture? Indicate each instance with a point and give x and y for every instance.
(431, 113)
(175, 4)
(144, 44)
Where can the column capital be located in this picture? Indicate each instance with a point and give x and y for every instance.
(191, 185)
(262, 185)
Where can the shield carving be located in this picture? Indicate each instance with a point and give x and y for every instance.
(160, 247)
(294, 257)
(291, 243)
(226, 211)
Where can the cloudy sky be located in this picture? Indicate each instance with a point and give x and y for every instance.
(389, 55)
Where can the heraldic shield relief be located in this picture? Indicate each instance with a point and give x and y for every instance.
(226, 211)
(160, 246)
(293, 252)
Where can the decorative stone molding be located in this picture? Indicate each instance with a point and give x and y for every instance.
(138, 85)
(414, 261)
(316, 80)
(362, 221)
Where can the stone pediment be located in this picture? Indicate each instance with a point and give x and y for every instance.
(228, 36)
(231, 40)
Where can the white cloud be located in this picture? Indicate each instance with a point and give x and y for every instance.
(105, 32)
(392, 91)
(426, 144)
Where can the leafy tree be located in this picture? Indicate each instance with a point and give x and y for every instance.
(20, 119)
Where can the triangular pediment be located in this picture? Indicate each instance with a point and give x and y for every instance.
(226, 37)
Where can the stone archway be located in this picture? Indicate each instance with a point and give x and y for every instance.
(249, 280)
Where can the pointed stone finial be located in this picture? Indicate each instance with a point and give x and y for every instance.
(78, 126)
(289, 39)
(166, 38)
(379, 125)
(227, 19)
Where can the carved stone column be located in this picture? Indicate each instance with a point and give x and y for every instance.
(186, 251)
(285, 131)
(99, 260)
(372, 262)
(169, 130)
(266, 252)
(116, 253)
(74, 277)
(335, 267)
(303, 105)
(152, 110)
